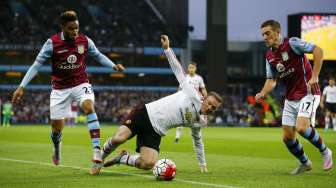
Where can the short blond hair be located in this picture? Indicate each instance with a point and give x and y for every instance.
(216, 96)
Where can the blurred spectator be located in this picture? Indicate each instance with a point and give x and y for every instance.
(110, 23)
(111, 106)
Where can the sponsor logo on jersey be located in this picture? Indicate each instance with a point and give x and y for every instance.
(288, 72)
(70, 63)
(280, 67)
(80, 49)
(68, 66)
(72, 59)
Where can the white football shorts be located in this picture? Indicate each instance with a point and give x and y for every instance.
(306, 107)
(61, 99)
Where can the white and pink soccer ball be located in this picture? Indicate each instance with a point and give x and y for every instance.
(164, 169)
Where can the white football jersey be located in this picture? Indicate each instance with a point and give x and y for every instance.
(179, 109)
(196, 81)
(330, 93)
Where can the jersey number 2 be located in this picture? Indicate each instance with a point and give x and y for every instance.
(87, 90)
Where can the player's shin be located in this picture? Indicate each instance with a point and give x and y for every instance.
(108, 147)
(313, 137)
(130, 160)
(94, 129)
(334, 123)
(56, 138)
(327, 122)
(296, 149)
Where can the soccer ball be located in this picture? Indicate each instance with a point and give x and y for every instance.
(164, 169)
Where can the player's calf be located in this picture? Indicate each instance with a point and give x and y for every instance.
(326, 122)
(109, 146)
(296, 149)
(123, 157)
(334, 122)
(120, 137)
(56, 138)
(313, 137)
(94, 129)
(146, 164)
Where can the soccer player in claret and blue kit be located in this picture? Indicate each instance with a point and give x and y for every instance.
(286, 62)
(67, 52)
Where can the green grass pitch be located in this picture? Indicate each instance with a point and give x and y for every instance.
(236, 157)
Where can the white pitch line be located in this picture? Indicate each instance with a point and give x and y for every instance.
(116, 172)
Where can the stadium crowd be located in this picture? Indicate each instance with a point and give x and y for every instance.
(132, 24)
(113, 106)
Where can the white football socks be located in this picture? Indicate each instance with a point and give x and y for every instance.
(129, 160)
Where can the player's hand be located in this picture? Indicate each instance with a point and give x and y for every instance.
(204, 169)
(259, 96)
(17, 94)
(119, 67)
(313, 84)
(165, 41)
(322, 105)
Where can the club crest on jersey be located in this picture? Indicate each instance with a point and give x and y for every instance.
(280, 67)
(80, 49)
(285, 56)
(71, 59)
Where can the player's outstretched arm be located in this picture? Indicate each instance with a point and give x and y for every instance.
(101, 58)
(17, 94)
(32, 71)
(44, 54)
(199, 148)
(173, 62)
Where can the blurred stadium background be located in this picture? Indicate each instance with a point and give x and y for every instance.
(221, 36)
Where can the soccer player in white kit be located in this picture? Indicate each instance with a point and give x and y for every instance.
(150, 122)
(329, 102)
(199, 85)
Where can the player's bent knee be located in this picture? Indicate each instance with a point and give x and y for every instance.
(301, 129)
(57, 125)
(288, 135)
(87, 106)
(286, 139)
